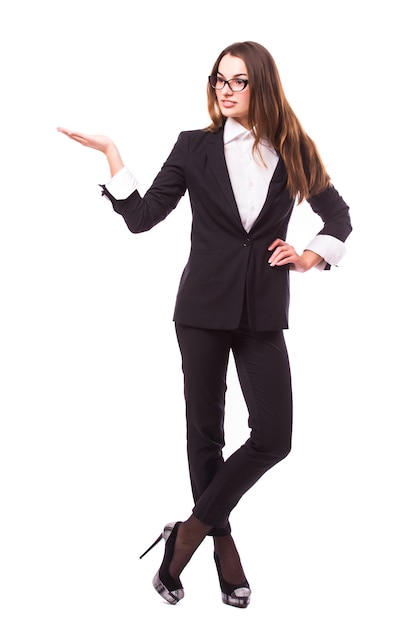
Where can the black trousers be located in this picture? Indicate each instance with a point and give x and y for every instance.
(264, 375)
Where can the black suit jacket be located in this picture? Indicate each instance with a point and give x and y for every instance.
(226, 263)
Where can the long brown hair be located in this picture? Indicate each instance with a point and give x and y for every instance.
(273, 119)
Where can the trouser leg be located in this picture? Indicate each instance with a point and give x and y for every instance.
(264, 374)
(205, 357)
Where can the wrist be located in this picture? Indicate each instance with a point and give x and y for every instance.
(114, 159)
(310, 259)
(111, 150)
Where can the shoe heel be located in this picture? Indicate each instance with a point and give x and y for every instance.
(152, 546)
(169, 588)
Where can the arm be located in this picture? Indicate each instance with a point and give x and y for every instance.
(140, 213)
(327, 248)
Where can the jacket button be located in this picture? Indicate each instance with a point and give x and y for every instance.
(246, 243)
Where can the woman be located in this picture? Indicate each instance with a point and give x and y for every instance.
(244, 175)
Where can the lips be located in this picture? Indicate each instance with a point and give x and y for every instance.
(228, 103)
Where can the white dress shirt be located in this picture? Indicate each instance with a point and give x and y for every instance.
(250, 179)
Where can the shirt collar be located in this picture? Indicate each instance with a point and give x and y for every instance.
(232, 130)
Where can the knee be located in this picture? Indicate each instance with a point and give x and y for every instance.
(273, 451)
(280, 451)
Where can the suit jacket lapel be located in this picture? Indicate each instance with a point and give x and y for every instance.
(217, 161)
(216, 158)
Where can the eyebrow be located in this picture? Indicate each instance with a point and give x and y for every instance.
(235, 76)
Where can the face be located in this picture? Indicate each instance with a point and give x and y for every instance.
(233, 103)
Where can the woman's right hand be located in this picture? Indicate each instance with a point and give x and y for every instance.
(97, 142)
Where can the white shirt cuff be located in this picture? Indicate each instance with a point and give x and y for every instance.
(122, 184)
(330, 248)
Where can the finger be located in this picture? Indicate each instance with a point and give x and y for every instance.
(84, 140)
(66, 131)
(73, 134)
(282, 256)
(277, 255)
(287, 260)
(277, 242)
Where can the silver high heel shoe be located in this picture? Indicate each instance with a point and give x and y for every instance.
(235, 595)
(168, 587)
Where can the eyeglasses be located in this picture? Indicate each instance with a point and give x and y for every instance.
(234, 84)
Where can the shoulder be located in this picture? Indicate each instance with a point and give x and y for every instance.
(199, 136)
(193, 145)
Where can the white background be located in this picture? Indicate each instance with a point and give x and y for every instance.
(92, 447)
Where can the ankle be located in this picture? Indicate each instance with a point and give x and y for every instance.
(192, 532)
(225, 545)
(229, 559)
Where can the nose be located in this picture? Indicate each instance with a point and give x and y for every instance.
(226, 87)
